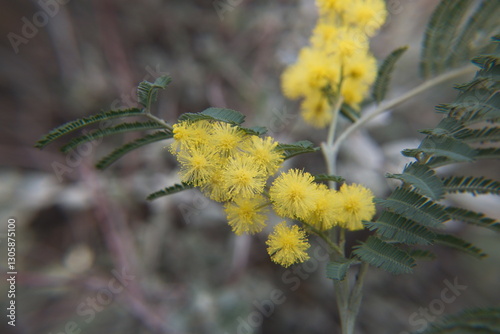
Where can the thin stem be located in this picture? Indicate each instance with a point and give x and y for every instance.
(333, 123)
(346, 320)
(158, 120)
(398, 100)
(323, 236)
(349, 303)
(342, 240)
(326, 147)
(356, 294)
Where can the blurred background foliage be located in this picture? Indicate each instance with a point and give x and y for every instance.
(94, 255)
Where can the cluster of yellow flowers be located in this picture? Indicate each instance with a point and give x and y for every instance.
(228, 164)
(232, 166)
(338, 61)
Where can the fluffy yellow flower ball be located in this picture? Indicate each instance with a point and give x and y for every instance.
(287, 245)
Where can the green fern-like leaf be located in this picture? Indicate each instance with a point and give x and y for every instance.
(121, 128)
(79, 123)
(435, 162)
(416, 207)
(470, 184)
(449, 142)
(254, 130)
(488, 153)
(446, 127)
(385, 70)
(215, 114)
(457, 30)
(443, 26)
(430, 41)
(170, 190)
(459, 244)
(471, 321)
(423, 179)
(147, 92)
(475, 110)
(475, 35)
(398, 228)
(385, 256)
(338, 269)
(300, 147)
(479, 99)
(472, 217)
(486, 134)
(443, 146)
(121, 151)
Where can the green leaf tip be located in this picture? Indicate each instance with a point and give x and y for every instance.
(120, 128)
(170, 190)
(395, 227)
(215, 114)
(147, 92)
(414, 206)
(121, 151)
(472, 217)
(442, 146)
(385, 70)
(255, 130)
(459, 244)
(79, 123)
(423, 179)
(383, 255)
(338, 269)
(297, 148)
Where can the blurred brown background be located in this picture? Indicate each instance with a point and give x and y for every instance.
(93, 256)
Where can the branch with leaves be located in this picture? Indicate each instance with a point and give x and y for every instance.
(239, 166)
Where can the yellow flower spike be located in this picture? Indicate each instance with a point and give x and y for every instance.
(247, 215)
(354, 203)
(189, 135)
(292, 81)
(243, 177)
(215, 187)
(313, 70)
(316, 110)
(323, 37)
(263, 152)
(321, 69)
(226, 138)
(182, 135)
(353, 92)
(287, 245)
(196, 165)
(368, 15)
(350, 42)
(331, 8)
(293, 194)
(362, 67)
(323, 216)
